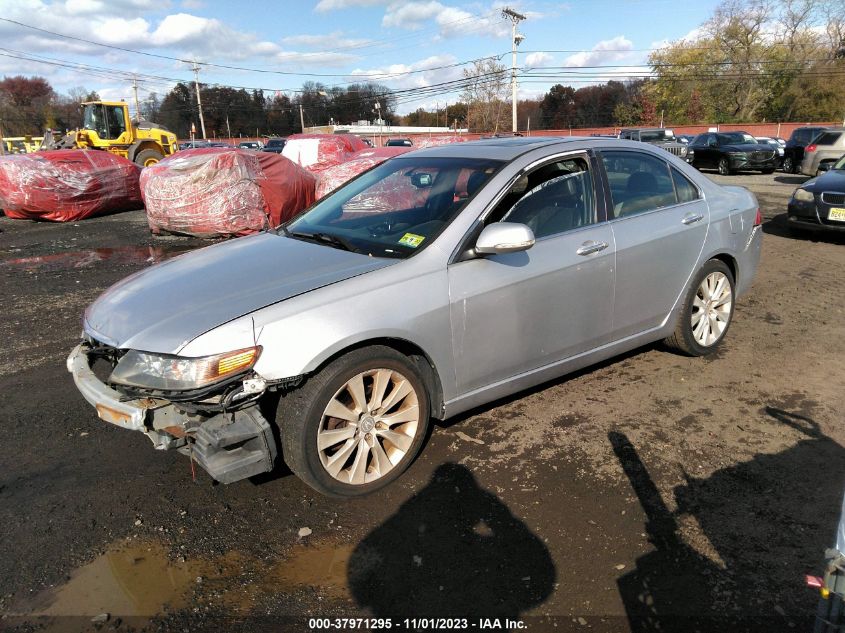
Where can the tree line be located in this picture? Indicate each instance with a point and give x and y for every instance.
(752, 60)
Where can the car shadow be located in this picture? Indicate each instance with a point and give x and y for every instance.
(792, 179)
(778, 225)
(453, 550)
(772, 513)
(519, 395)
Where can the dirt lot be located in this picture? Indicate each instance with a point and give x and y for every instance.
(651, 492)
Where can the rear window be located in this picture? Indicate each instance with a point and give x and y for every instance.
(828, 138)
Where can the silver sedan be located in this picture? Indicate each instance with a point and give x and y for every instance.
(436, 282)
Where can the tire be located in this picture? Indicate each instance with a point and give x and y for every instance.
(724, 167)
(330, 468)
(688, 338)
(788, 165)
(147, 157)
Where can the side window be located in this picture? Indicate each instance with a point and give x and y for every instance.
(638, 183)
(687, 192)
(553, 198)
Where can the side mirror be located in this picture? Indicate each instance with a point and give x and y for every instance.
(504, 237)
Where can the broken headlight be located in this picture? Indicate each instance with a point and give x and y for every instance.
(165, 372)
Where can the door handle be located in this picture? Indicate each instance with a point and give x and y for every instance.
(588, 248)
(692, 218)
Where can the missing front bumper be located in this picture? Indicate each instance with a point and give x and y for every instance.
(229, 446)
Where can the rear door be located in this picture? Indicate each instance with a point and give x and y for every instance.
(659, 220)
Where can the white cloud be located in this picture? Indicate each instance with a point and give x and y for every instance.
(193, 4)
(328, 40)
(605, 51)
(333, 5)
(538, 59)
(410, 15)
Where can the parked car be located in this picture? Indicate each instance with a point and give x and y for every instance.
(660, 137)
(730, 152)
(820, 202)
(767, 140)
(830, 611)
(793, 152)
(275, 145)
(685, 138)
(504, 263)
(827, 147)
(253, 145)
(193, 144)
(398, 142)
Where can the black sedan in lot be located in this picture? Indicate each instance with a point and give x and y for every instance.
(820, 202)
(730, 152)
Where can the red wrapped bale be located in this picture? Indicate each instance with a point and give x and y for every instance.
(436, 141)
(316, 152)
(331, 178)
(67, 185)
(219, 192)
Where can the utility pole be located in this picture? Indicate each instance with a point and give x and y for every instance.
(199, 101)
(301, 118)
(228, 129)
(516, 38)
(137, 107)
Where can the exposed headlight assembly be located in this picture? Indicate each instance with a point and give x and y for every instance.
(165, 372)
(802, 195)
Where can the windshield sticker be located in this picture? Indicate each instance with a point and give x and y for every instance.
(411, 239)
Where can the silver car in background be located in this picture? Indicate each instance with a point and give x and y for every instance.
(436, 282)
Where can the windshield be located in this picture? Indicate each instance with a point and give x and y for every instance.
(397, 208)
(840, 164)
(657, 135)
(736, 138)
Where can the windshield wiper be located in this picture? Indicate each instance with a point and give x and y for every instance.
(326, 238)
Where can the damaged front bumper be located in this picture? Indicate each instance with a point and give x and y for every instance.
(230, 446)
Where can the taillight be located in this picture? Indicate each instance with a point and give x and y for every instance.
(810, 148)
(758, 219)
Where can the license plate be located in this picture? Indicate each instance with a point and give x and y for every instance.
(836, 213)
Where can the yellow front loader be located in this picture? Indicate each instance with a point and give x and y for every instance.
(107, 126)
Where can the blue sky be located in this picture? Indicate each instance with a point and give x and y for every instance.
(403, 45)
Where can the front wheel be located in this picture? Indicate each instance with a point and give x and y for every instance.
(708, 310)
(357, 425)
(148, 157)
(724, 167)
(788, 165)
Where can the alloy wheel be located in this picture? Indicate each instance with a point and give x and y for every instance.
(368, 426)
(711, 309)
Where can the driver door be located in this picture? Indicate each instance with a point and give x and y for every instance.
(515, 313)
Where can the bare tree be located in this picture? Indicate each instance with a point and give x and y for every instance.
(485, 91)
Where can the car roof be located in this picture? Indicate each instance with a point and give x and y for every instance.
(508, 148)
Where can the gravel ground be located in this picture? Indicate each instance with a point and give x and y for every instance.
(650, 491)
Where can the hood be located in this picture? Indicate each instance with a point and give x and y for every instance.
(748, 147)
(164, 307)
(833, 180)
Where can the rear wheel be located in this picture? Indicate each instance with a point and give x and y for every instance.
(708, 310)
(788, 165)
(724, 167)
(147, 157)
(357, 425)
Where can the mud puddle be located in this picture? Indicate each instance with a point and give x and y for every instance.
(140, 579)
(85, 259)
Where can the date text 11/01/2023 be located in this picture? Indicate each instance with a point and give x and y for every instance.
(415, 624)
